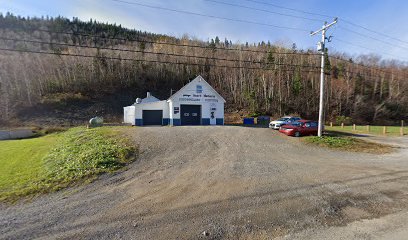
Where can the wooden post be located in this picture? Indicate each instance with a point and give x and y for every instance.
(331, 124)
(342, 125)
(368, 128)
(385, 130)
(354, 127)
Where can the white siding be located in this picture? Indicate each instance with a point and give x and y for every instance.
(160, 105)
(197, 92)
(129, 115)
(190, 94)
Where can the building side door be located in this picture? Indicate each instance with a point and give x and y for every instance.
(213, 109)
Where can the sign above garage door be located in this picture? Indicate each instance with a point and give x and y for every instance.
(197, 91)
(198, 98)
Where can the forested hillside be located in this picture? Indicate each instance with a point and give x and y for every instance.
(68, 70)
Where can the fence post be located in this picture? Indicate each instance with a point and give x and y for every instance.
(331, 124)
(354, 127)
(368, 128)
(342, 125)
(402, 128)
(385, 130)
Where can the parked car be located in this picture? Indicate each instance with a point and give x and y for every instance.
(282, 121)
(300, 128)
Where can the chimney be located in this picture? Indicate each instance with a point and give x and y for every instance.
(148, 94)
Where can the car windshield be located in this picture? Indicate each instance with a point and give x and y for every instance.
(283, 119)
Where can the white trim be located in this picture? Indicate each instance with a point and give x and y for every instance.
(198, 78)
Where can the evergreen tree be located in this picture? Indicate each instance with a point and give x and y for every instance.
(226, 42)
(217, 40)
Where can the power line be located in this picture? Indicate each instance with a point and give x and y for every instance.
(324, 15)
(164, 62)
(373, 31)
(359, 64)
(165, 43)
(181, 55)
(264, 10)
(180, 45)
(149, 61)
(288, 8)
(211, 16)
(370, 49)
(372, 38)
(150, 52)
(364, 66)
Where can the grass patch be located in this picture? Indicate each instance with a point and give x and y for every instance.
(376, 130)
(347, 143)
(49, 163)
(22, 162)
(332, 142)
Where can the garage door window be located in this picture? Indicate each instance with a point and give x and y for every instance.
(190, 114)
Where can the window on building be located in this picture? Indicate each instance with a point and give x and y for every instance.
(199, 89)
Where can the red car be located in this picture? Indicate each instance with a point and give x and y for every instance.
(300, 128)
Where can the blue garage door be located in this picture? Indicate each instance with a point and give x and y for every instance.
(152, 117)
(190, 114)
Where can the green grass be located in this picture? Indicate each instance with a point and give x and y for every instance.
(376, 130)
(332, 142)
(49, 163)
(21, 162)
(347, 143)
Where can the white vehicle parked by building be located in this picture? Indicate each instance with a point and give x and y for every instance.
(282, 121)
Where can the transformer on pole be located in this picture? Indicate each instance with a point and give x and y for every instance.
(321, 48)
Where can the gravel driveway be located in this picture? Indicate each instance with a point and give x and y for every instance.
(219, 182)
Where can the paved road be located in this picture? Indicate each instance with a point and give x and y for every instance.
(231, 182)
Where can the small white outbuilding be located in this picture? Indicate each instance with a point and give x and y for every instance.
(197, 103)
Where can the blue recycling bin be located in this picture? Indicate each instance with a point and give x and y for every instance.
(248, 121)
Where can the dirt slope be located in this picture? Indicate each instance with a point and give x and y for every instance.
(232, 182)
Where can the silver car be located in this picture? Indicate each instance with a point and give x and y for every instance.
(282, 121)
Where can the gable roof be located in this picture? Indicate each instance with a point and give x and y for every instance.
(200, 80)
(150, 98)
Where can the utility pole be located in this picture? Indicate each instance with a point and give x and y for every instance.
(321, 47)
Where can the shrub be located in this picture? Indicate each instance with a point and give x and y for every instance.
(343, 119)
(334, 142)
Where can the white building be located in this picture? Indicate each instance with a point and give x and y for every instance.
(197, 103)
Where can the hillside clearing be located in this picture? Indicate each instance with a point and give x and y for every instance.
(49, 163)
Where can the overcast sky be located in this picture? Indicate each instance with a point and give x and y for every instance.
(387, 17)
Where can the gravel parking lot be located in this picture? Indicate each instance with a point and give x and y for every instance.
(223, 182)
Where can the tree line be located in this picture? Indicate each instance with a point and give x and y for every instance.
(96, 59)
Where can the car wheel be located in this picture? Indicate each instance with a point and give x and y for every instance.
(297, 134)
